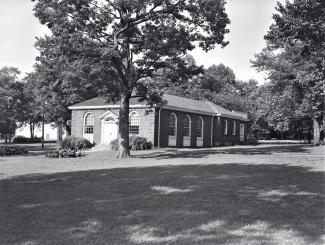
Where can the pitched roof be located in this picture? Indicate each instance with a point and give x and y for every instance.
(173, 102)
(99, 101)
(187, 104)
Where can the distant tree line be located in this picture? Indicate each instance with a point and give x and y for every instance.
(272, 114)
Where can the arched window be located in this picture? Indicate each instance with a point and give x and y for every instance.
(186, 130)
(199, 127)
(134, 122)
(187, 126)
(172, 125)
(225, 126)
(89, 121)
(233, 127)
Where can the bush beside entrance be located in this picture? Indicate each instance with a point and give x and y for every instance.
(135, 143)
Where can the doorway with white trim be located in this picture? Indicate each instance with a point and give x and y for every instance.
(109, 122)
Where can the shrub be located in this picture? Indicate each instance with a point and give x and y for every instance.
(75, 143)
(114, 145)
(65, 153)
(139, 143)
(23, 139)
(12, 150)
(135, 144)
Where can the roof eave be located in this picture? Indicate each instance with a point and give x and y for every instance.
(104, 107)
(232, 116)
(187, 110)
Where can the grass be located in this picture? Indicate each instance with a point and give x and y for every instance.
(171, 197)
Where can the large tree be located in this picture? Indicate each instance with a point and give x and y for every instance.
(66, 73)
(217, 84)
(218, 78)
(138, 39)
(31, 112)
(11, 93)
(295, 56)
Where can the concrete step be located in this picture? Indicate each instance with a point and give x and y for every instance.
(101, 147)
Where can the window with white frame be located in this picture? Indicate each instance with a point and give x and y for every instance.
(187, 126)
(199, 127)
(225, 126)
(134, 122)
(234, 128)
(172, 122)
(89, 121)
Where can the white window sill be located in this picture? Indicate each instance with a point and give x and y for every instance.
(186, 141)
(199, 141)
(172, 140)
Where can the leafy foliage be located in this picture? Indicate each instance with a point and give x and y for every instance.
(218, 79)
(114, 145)
(32, 107)
(65, 153)
(23, 139)
(75, 143)
(11, 94)
(67, 73)
(12, 150)
(140, 143)
(142, 44)
(217, 84)
(136, 143)
(294, 60)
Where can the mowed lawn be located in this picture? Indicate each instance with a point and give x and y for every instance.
(234, 195)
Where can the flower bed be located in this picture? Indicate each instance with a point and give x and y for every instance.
(12, 150)
(65, 153)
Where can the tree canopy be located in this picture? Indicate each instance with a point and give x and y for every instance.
(218, 78)
(137, 40)
(294, 58)
(11, 94)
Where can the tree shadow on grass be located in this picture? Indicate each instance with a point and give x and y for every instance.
(210, 204)
(199, 153)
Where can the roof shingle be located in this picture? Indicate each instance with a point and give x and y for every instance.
(173, 102)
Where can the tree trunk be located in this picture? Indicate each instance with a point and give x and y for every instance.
(68, 127)
(43, 131)
(31, 128)
(123, 129)
(6, 132)
(59, 132)
(316, 138)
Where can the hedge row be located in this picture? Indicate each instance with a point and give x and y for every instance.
(12, 150)
(23, 139)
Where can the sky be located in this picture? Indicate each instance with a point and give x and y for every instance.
(250, 21)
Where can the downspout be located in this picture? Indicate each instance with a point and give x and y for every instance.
(159, 127)
(212, 131)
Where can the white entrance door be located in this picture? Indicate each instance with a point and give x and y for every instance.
(109, 131)
(242, 132)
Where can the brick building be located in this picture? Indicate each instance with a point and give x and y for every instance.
(181, 122)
